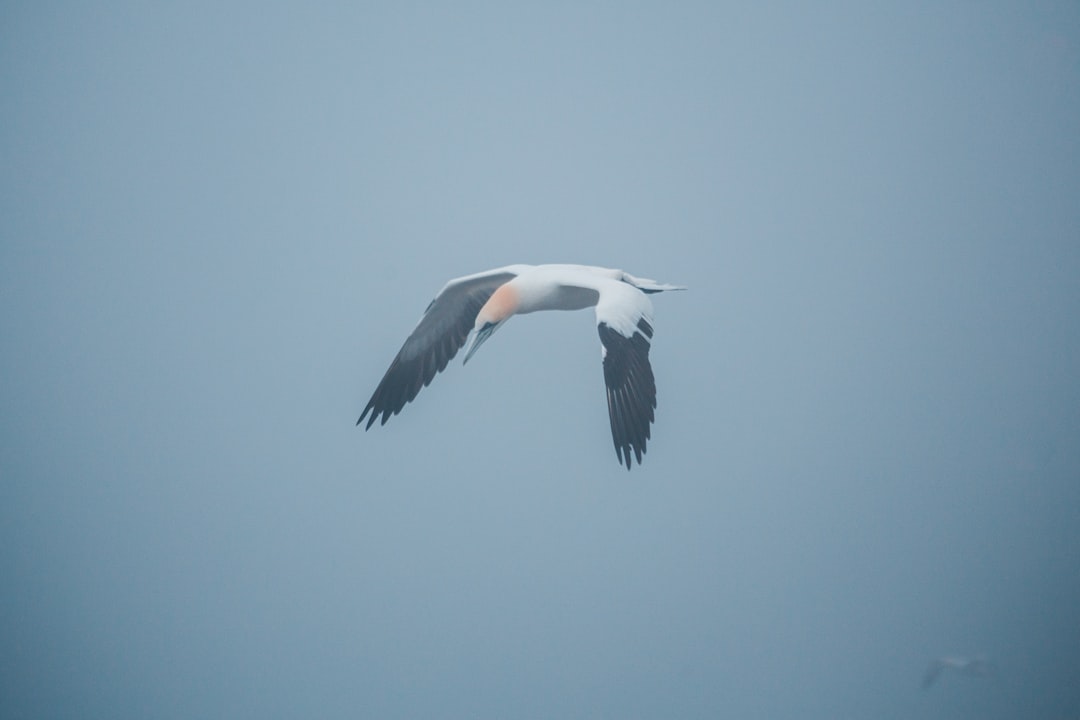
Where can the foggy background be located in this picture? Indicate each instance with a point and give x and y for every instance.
(219, 223)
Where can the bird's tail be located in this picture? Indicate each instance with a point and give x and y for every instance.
(649, 286)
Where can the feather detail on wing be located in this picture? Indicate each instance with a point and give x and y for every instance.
(441, 332)
(631, 388)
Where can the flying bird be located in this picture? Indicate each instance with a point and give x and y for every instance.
(977, 666)
(479, 304)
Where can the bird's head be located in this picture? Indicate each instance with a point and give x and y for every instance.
(497, 310)
(481, 332)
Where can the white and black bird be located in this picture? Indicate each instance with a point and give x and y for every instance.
(479, 304)
(976, 666)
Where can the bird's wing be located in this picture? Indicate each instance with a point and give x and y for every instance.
(932, 673)
(438, 336)
(982, 666)
(623, 317)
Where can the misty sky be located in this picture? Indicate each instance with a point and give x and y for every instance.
(219, 221)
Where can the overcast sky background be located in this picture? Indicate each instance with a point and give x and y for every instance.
(219, 222)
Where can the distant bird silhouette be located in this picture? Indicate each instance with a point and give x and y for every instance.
(976, 666)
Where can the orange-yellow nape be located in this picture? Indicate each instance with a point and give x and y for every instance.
(501, 305)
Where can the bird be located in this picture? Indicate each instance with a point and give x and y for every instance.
(477, 305)
(976, 666)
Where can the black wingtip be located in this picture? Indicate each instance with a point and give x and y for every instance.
(622, 452)
(369, 415)
(631, 390)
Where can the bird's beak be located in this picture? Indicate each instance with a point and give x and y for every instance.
(478, 339)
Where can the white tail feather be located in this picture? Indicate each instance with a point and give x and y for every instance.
(649, 286)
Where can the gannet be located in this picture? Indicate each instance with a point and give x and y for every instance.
(479, 304)
(977, 666)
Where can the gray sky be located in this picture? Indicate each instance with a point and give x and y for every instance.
(218, 224)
